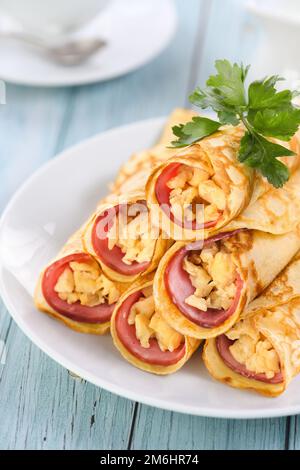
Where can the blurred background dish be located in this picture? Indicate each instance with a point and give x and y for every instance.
(277, 51)
(135, 33)
(57, 17)
(65, 51)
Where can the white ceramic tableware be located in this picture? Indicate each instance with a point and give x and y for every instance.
(135, 31)
(52, 17)
(278, 49)
(38, 220)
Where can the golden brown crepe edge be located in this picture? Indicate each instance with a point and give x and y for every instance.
(191, 344)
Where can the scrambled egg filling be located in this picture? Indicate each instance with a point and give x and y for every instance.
(84, 283)
(149, 324)
(192, 187)
(213, 273)
(253, 350)
(135, 237)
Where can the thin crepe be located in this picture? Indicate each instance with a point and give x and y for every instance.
(125, 274)
(190, 344)
(250, 201)
(275, 315)
(73, 246)
(258, 257)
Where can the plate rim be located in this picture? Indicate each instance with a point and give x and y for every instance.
(204, 411)
(77, 81)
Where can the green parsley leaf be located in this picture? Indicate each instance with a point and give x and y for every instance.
(275, 123)
(264, 111)
(257, 152)
(228, 117)
(193, 131)
(225, 91)
(211, 99)
(276, 172)
(263, 94)
(229, 82)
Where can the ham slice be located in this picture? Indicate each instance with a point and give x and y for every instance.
(81, 313)
(127, 335)
(179, 286)
(112, 258)
(223, 344)
(162, 192)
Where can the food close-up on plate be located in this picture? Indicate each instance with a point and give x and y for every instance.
(163, 300)
(149, 228)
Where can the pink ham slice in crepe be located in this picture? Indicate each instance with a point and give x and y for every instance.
(201, 288)
(144, 338)
(112, 257)
(75, 311)
(163, 193)
(127, 335)
(223, 344)
(179, 287)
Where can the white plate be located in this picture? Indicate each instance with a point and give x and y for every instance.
(37, 221)
(136, 31)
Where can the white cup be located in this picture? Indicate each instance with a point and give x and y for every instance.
(278, 51)
(52, 17)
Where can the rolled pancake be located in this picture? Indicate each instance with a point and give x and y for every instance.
(134, 173)
(143, 338)
(262, 351)
(75, 248)
(207, 181)
(59, 296)
(201, 289)
(122, 239)
(277, 211)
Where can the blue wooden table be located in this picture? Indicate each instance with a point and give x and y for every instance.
(41, 405)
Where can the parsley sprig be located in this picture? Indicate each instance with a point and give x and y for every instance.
(264, 111)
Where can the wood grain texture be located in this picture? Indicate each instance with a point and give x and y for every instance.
(30, 126)
(292, 438)
(41, 405)
(166, 430)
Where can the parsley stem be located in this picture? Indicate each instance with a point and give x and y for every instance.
(246, 123)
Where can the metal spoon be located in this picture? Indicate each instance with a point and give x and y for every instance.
(73, 52)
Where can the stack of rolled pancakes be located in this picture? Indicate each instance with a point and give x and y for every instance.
(230, 278)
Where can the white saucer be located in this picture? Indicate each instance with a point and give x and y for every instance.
(136, 31)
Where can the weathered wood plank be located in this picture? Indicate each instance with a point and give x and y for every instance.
(43, 407)
(157, 429)
(30, 125)
(293, 433)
